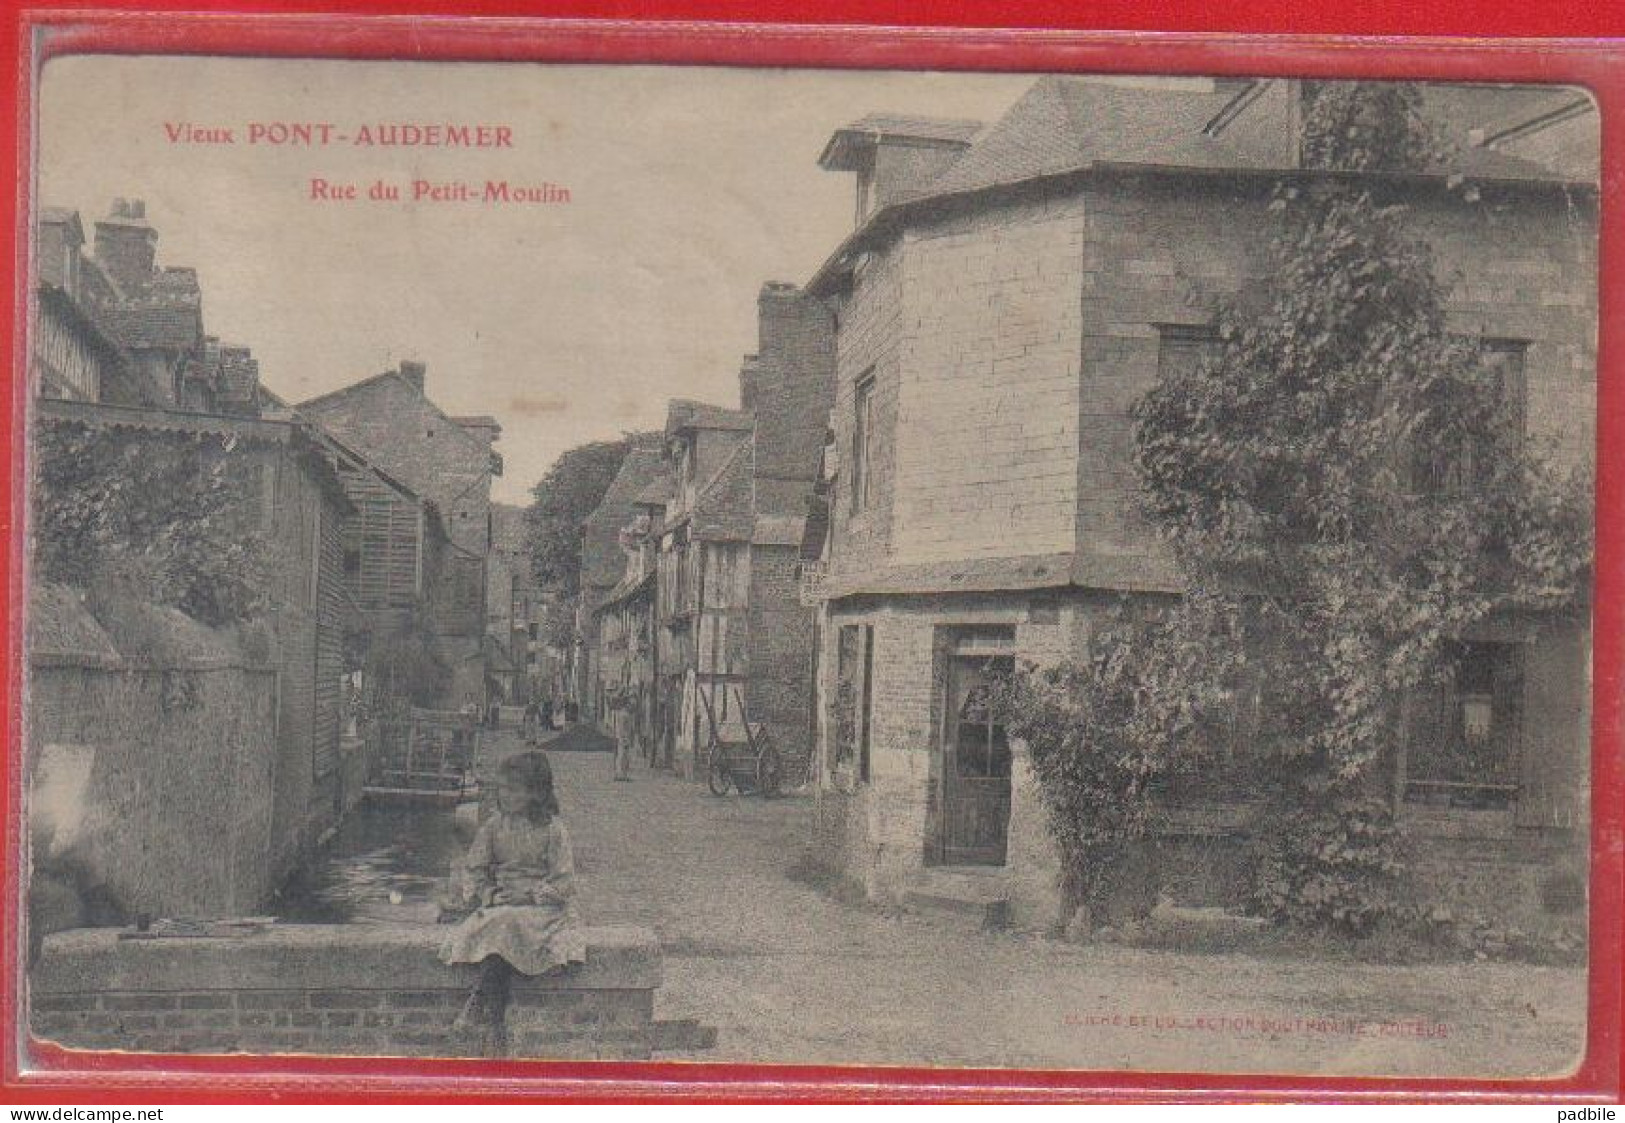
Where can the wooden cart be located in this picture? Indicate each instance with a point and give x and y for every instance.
(740, 754)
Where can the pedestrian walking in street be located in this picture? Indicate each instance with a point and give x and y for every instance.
(532, 722)
(547, 714)
(620, 719)
(519, 878)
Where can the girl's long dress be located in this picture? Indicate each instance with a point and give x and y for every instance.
(523, 875)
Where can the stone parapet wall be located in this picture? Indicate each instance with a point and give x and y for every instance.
(374, 990)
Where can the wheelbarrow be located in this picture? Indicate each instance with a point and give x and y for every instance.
(740, 754)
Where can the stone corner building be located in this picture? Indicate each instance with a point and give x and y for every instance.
(1006, 296)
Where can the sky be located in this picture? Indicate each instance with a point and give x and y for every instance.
(689, 187)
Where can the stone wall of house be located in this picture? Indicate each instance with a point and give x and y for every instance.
(986, 442)
(402, 432)
(1519, 263)
(1044, 311)
(868, 347)
(879, 833)
(373, 990)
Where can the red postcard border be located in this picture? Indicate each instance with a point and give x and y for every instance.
(261, 30)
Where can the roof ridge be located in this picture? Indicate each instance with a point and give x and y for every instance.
(428, 401)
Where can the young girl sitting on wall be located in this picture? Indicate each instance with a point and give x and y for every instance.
(519, 878)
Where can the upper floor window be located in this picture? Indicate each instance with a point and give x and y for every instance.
(863, 396)
(1183, 348)
(1449, 464)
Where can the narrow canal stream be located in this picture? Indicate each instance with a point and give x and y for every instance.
(390, 859)
(388, 862)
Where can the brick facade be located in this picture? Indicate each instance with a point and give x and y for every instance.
(375, 990)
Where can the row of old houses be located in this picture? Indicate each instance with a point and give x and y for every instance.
(929, 479)
(692, 616)
(181, 766)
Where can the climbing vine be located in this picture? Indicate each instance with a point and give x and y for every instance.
(1345, 487)
(168, 516)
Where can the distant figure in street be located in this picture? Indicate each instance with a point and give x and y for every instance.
(533, 718)
(547, 714)
(519, 881)
(619, 699)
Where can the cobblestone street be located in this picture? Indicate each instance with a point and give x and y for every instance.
(788, 973)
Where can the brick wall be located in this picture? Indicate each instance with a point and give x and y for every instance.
(375, 990)
(779, 690)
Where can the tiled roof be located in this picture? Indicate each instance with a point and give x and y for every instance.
(657, 494)
(166, 314)
(154, 325)
(62, 629)
(1069, 125)
(684, 414)
(1065, 124)
(723, 509)
(602, 562)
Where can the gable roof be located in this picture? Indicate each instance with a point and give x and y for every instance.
(724, 508)
(848, 141)
(322, 403)
(602, 563)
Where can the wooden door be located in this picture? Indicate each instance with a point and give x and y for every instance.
(975, 765)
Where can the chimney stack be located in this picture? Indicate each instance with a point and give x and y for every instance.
(749, 390)
(791, 382)
(413, 372)
(127, 246)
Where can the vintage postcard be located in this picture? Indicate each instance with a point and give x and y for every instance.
(624, 562)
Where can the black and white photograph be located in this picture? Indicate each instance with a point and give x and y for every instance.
(809, 567)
